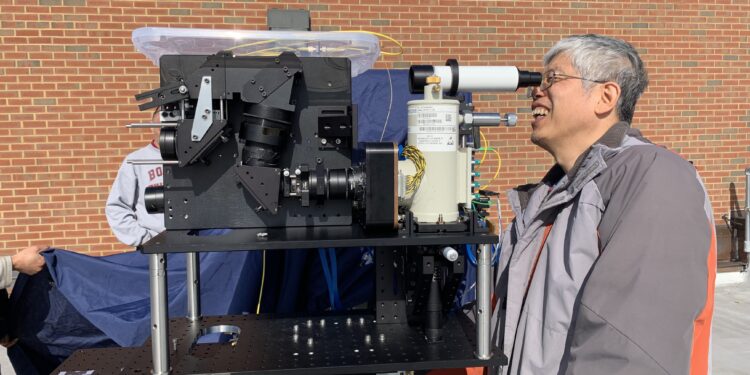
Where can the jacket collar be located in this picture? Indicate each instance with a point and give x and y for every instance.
(612, 139)
(586, 167)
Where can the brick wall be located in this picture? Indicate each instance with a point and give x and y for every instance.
(68, 73)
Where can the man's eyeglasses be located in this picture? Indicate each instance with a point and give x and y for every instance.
(550, 77)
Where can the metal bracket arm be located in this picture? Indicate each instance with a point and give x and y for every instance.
(162, 95)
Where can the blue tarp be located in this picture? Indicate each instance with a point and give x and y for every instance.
(113, 292)
(80, 301)
(84, 302)
(381, 97)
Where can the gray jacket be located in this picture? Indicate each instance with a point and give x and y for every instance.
(624, 255)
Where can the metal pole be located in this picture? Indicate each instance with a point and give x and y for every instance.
(193, 287)
(159, 327)
(152, 125)
(153, 161)
(484, 311)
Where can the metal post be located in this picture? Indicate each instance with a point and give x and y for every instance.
(484, 311)
(136, 125)
(747, 210)
(159, 327)
(153, 162)
(193, 287)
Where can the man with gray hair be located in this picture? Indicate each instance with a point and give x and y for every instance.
(609, 264)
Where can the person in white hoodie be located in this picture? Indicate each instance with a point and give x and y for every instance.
(126, 208)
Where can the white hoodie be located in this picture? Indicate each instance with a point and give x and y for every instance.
(126, 209)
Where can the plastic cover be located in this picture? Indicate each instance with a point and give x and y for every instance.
(361, 48)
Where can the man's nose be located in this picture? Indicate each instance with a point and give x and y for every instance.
(533, 92)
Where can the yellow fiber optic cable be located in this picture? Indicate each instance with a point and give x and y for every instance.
(485, 145)
(390, 39)
(497, 170)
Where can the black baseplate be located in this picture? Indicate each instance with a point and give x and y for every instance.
(180, 241)
(322, 345)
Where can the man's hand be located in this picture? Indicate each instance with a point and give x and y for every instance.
(28, 260)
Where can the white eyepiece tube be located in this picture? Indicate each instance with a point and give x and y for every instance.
(454, 78)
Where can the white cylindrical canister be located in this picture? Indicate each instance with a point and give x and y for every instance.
(433, 129)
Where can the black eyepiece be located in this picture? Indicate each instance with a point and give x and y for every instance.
(418, 77)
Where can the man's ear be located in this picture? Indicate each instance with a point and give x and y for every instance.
(609, 93)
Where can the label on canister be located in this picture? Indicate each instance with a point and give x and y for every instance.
(433, 127)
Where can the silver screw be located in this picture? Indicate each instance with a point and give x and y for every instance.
(323, 141)
(204, 117)
(183, 89)
(338, 141)
(207, 111)
(297, 172)
(207, 80)
(286, 173)
(195, 137)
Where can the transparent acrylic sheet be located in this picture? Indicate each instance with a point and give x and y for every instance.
(361, 48)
